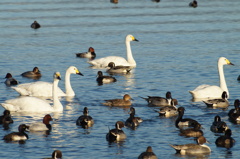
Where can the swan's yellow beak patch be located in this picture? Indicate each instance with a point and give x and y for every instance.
(228, 62)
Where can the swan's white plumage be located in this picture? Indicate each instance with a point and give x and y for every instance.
(119, 61)
(212, 91)
(34, 104)
(41, 88)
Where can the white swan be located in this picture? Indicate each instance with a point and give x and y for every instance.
(211, 91)
(34, 104)
(41, 88)
(103, 62)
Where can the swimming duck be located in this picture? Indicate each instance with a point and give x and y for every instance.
(226, 140)
(126, 101)
(193, 4)
(218, 126)
(211, 91)
(103, 62)
(234, 114)
(104, 79)
(193, 149)
(35, 73)
(33, 104)
(10, 80)
(90, 54)
(169, 111)
(17, 136)
(192, 132)
(85, 120)
(35, 25)
(118, 69)
(160, 101)
(6, 118)
(116, 134)
(148, 154)
(220, 103)
(41, 88)
(180, 122)
(41, 126)
(57, 154)
(133, 121)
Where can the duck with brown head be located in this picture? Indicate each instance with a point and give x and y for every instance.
(90, 54)
(125, 101)
(34, 74)
(10, 80)
(148, 154)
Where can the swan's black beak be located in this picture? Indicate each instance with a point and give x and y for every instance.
(79, 73)
(136, 40)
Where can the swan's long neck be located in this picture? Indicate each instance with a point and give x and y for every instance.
(222, 81)
(68, 87)
(57, 105)
(130, 58)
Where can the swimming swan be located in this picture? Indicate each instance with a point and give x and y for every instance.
(211, 91)
(41, 88)
(103, 62)
(34, 104)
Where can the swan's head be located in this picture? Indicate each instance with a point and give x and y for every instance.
(130, 38)
(224, 61)
(74, 70)
(57, 76)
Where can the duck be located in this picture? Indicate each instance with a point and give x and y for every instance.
(35, 25)
(35, 73)
(212, 91)
(42, 126)
(160, 101)
(17, 136)
(169, 111)
(85, 120)
(126, 101)
(119, 61)
(220, 103)
(104, 79)
(6, 118)
(133, 121)
(218, 126)
(234, 114)
(148, 154)
(116, 134)
(182, 122)
(57, 154)
(226, 140)
(193, 4)
(44, 89)
(10, 80)
(34, 104)
(90, 54)
(192, 132)
(193, 149)
(118, 69)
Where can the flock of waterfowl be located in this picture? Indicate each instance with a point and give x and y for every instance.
(212, 96)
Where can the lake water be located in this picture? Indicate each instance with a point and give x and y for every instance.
(177, 50)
